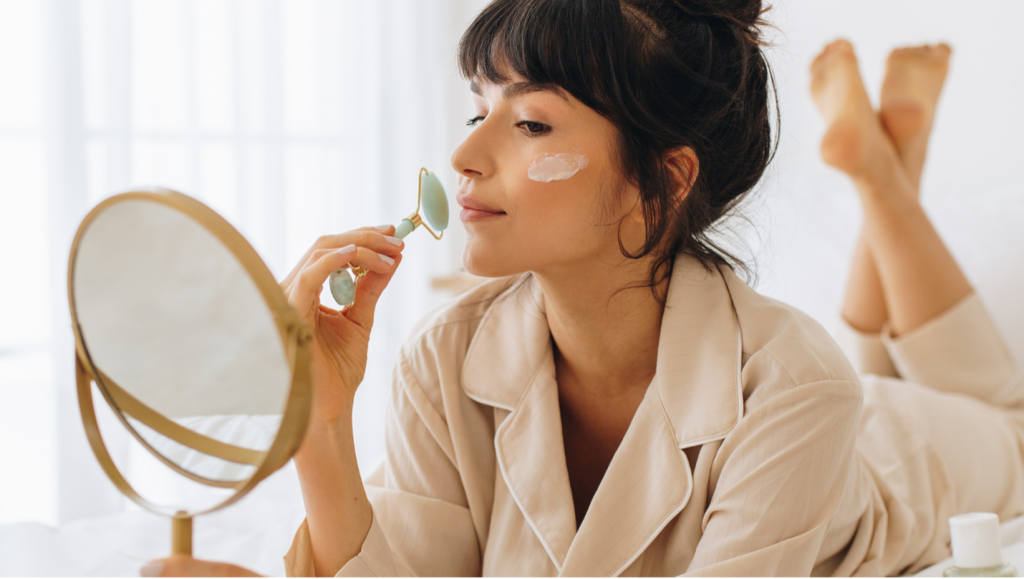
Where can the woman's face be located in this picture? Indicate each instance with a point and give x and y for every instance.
(516, 223)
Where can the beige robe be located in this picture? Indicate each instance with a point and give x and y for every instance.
(800, 470)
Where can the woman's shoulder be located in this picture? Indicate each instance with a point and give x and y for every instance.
(465, 311)
(439, 342)
(783, 342)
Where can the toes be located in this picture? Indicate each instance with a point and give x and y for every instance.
(933, 52)
(841, 45)
(906, 53)
(821, 56)
(840, 48)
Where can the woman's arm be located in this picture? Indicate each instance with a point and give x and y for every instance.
(337, 508)
(420, 522)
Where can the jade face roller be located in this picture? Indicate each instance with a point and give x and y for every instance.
(433, 203)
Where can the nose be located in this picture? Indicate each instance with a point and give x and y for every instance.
(472, 157)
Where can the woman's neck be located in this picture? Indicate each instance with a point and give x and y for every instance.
(605, 337)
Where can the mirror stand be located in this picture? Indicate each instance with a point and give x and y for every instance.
(181, 534)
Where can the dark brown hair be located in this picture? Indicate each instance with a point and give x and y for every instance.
(667, 74)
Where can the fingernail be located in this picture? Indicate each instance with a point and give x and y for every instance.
(152, 569)
(394, 240)
(347, 249)
(383, 227)
(386, 259)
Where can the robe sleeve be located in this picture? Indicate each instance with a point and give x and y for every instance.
(959, 351)
(866, 351)
(781, 475)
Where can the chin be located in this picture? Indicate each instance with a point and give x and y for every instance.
(482, 261)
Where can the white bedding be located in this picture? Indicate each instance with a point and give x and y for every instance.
(255, 533)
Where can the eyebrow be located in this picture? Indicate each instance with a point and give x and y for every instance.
(518, 89)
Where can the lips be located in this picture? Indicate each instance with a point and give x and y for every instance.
(473, 210)
(466, 202)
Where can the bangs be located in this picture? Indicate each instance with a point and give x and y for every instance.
(570, 44)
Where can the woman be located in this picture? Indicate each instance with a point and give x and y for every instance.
(619, 401)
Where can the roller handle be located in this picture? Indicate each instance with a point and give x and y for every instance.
(404, 228)
(343, 287)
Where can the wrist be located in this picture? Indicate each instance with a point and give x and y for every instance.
(325, 439)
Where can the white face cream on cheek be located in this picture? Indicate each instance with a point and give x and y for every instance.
(547, 168)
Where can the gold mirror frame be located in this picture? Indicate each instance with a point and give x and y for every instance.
(295, 338)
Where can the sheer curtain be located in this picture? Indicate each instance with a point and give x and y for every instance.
(292, 118)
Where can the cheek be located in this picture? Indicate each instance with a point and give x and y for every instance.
(540, 203)
(546, 167)
(555, 216)
(566, 211)
(554, 186)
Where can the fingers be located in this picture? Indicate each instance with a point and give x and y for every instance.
(183, 566)
(368, 291)
(306, 287)
(376, 238)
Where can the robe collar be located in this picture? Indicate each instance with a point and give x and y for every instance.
(696, 397)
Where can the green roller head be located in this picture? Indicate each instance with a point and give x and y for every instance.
(343, 287)
(434, 202)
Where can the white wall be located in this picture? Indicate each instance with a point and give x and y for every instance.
(292, 118)
(976, 142)
(807, 215)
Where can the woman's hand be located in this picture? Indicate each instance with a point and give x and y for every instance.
(341, 337)
(338, 510)
(184, 566)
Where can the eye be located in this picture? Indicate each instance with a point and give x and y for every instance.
(534, 129)
(474, 121)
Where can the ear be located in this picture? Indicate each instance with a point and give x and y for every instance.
(683, 166)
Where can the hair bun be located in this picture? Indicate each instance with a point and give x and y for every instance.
(745, 14)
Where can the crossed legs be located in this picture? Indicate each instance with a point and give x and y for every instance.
(902, 273)
(963, 399)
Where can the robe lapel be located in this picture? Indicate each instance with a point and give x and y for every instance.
(647, 484)
(696, 397)
(531, 456)
(511, 365)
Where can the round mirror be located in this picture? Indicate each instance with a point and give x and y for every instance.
(191, 343)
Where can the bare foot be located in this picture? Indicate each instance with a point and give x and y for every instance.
(910, 92)
(855, 142)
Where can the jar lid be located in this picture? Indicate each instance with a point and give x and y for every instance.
(975, 540)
